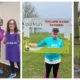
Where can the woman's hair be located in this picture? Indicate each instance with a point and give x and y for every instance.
(15, 29)
(1, 20)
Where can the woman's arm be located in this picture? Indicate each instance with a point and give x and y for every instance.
(4, 38)
(19, 36)
(33, 44)
(40, 44)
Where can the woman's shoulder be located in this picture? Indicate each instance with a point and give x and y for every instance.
(18, 33)
(48, 38)
(5, 32)
(2, 30)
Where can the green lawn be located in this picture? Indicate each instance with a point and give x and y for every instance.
(33, 64)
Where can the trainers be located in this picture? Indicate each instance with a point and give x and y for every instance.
(12, 75)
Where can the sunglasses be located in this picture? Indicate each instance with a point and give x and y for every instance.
(55, 33)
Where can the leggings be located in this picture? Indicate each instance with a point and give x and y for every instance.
(55, 69)
(12, 66)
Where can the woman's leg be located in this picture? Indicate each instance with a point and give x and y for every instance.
(18, 64)
(55, 70)
(44, 70)
(48, 69)
(12, 66)
(13, 74)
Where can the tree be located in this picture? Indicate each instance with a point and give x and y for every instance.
(76, 28)
(29, 11)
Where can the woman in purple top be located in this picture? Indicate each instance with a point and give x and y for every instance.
(12, 40)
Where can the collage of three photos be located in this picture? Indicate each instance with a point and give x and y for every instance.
(47, 35)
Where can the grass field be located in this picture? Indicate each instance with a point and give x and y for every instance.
(33, 64)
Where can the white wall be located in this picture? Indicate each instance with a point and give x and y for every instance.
(8, 10)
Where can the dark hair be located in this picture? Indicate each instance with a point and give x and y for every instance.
(15, 29)
(1, 20)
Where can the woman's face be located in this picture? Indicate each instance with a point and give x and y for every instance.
(55, 34)
(11, 25)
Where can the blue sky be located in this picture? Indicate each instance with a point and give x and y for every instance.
(53, 10)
